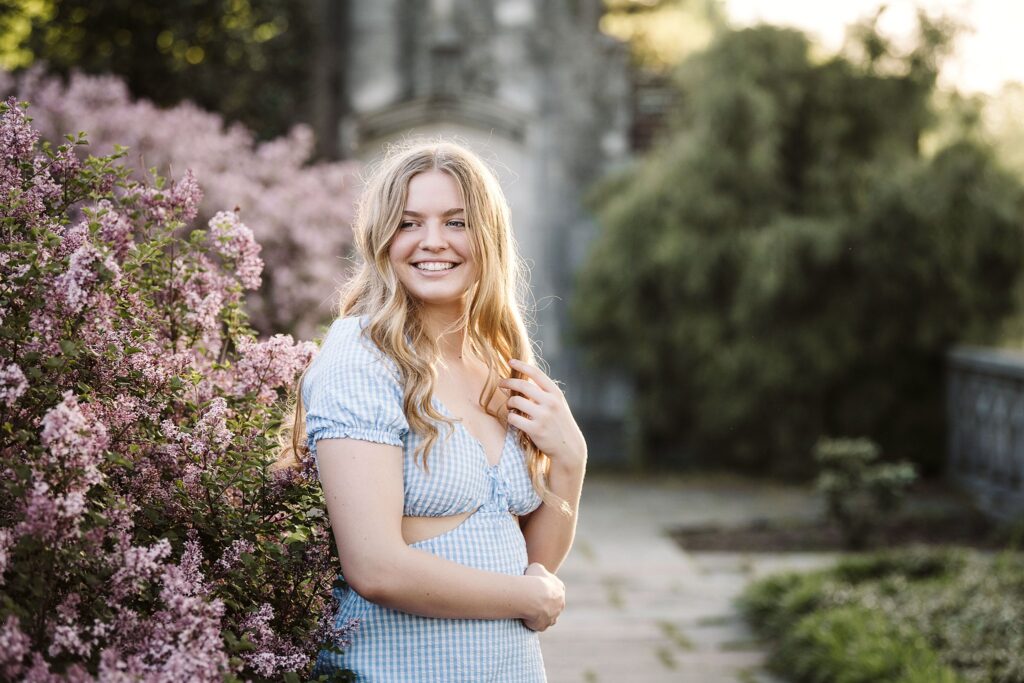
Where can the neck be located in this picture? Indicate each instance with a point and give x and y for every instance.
(451, 338)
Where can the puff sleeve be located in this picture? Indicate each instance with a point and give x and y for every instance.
(351, 390)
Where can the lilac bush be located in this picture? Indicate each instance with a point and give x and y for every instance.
(145, 533)
(300, 212)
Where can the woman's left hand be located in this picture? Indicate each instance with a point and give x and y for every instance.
(545, 417)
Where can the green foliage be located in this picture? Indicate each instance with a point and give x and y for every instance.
(855, 645)
(859, 492)
(247, 59)
(787, 263)
(919, 615)
(916, 564)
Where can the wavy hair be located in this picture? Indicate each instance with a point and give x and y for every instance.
(493, 319)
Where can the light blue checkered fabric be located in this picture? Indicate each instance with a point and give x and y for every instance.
(352, 390)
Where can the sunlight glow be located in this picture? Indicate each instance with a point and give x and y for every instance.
(988, 54)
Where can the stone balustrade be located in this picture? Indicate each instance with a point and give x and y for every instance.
(985, 410)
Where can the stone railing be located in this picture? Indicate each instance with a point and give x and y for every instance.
(985, 409)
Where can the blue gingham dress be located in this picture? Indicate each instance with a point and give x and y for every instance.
(351, 390)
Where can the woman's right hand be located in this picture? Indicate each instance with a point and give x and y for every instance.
(548, 597)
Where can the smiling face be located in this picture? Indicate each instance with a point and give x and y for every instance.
(431, 252)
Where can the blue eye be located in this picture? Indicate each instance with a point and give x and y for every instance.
(457, 223)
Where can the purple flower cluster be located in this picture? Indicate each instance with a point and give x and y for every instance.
(144, 535)
(300, 212)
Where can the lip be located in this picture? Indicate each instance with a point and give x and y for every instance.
(434, 273)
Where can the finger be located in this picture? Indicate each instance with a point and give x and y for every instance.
(526, 388)
(524, 405)
(536, 375)
(520, 422)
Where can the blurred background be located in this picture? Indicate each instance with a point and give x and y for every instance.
(776, 255)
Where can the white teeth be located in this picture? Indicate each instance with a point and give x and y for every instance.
(435, 265)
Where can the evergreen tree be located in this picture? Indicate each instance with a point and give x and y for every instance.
(788, 264)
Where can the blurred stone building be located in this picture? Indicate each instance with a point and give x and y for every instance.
(538, 91)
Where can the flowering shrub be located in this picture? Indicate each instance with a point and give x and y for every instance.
(300, 213)
(144, 534)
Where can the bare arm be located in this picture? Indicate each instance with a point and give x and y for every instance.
(545, 416)
(362, 483)
(549, 533)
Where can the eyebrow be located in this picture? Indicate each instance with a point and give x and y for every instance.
(417, 214)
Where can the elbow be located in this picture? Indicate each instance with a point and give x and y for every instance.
(374, 581)
(371, 588)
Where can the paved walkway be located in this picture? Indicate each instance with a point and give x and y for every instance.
(640, 610)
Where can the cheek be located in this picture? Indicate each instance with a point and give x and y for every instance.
(398, 250)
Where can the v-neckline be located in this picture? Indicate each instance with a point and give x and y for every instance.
(460, 423)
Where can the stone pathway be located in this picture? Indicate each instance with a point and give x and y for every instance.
(639, 609)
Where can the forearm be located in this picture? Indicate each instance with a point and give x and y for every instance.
(549, 533)
(421, 583)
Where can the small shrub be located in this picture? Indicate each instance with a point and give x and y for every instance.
(859, 492)
(856, 645)
(774, 604)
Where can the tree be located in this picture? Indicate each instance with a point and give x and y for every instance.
(246, 59)
(788, 263)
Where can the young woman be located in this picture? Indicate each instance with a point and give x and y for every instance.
(451, 465)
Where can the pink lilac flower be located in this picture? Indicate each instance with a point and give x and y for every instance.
(179, 201)
(235, 242)
(115, 229)
(45, 324)
(82, 274)
(187, 194)
(17, 137)
(209, 435)
(232, 556)
(50, 516)
(265, 366)
(273, 655)
(212, 426)
(14, 646)
(137, 565)
(187, 643)
(73, 441)
(327, 634)
(67, 635)
(12, 384)
(6, 543)
(44, 189)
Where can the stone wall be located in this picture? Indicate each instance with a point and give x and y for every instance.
(539, 92)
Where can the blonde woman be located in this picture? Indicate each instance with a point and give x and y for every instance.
(451, 465)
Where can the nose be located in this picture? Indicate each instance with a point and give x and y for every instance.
(433, 236)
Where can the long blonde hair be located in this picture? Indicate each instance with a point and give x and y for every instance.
(493, 320)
